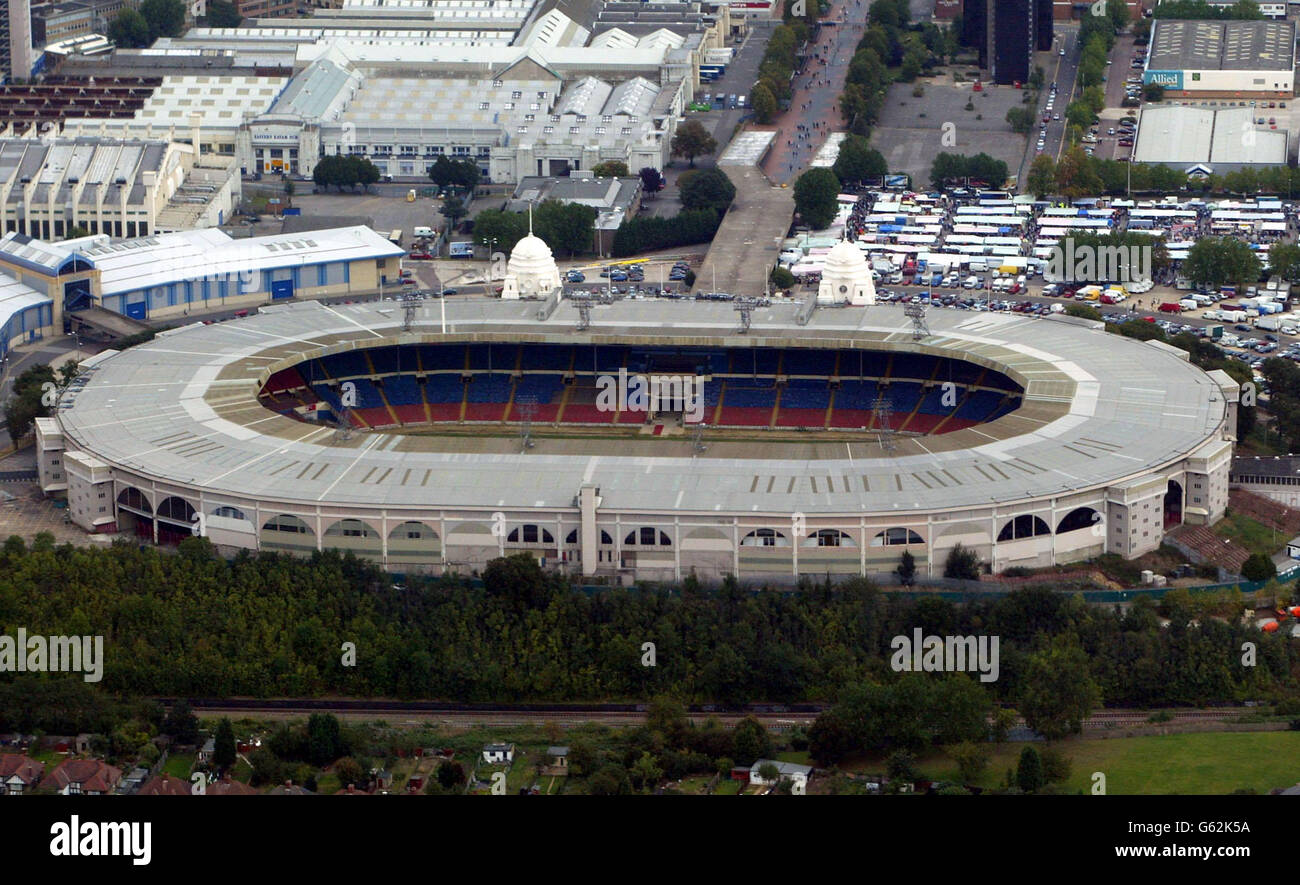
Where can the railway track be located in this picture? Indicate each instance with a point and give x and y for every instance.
(774, 716)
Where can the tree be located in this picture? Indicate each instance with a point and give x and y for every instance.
(32, 398)
(1021, 120)
(1284, 259)
(583, 758)
(901, 766)
(769, 772)
(166, 18)
(962, 563)
(858, 161)
(181, 723)
(1029, 773)
(782, 278)
(652, 180)
(693, 140)
(763, 102)
(611, 780)
(609, 169)
(129, 30)
(907, 569)
(451, 775)
(1041, 180)
(972, 759)
(500, 230)
(1153, 92)
(646, 772)
(751, 740)
(1217, 261)
(815, 194)
(831, 738)
(350, 773)
(324, 743)
(1258, 567)
(453, 209)
(1056, 765)
(223, 14)
(706, 189)
(1088, 312)
(459, 173)
(1057, 692)
(223, 751)
(567, 227)
(1076, 176)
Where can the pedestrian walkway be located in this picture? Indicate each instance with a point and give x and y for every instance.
(814, 105)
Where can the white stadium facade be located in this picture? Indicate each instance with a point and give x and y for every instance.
(1112, 442)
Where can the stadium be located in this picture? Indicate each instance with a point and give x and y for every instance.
(437, 439)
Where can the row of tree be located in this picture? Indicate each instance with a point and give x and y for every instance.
(132, 29)
(953, 169)
(342, 171)
(565, 227)
(193, 624)
(1079, 175)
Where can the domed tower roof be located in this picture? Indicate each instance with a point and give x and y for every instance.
(844, 258)
(531, 254)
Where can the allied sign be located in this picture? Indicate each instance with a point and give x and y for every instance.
(1168, 79)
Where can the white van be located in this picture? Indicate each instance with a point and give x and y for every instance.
(978, 267)
(423, 231)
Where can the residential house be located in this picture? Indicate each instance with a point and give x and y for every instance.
(82, 777)
(498, 754)
(796, 773)
(289, 788)
(559, 756)
(165, 785)
(19, 774)
(229, 787)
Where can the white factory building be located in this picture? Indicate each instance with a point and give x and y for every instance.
(524, 88)
(1224, 139)
(1222, 59)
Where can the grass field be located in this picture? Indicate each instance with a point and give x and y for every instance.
(179, 765)
(1249, 533)
(1182, 764)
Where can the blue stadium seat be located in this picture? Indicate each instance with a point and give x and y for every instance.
(489, 389)
(746, 394)
(805, 394)
(434, 357)
(912, 365)
(856, 395)
(368, 395)
(541, 389)
(402, 390)
(903, 396)
(809, 362)
(932, 402)
(444, 389)
(348, 364)
(550, 357)
(386, 361)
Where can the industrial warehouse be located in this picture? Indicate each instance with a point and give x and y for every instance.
(1222, 59)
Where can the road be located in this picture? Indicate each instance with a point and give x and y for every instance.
(1063, 70)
